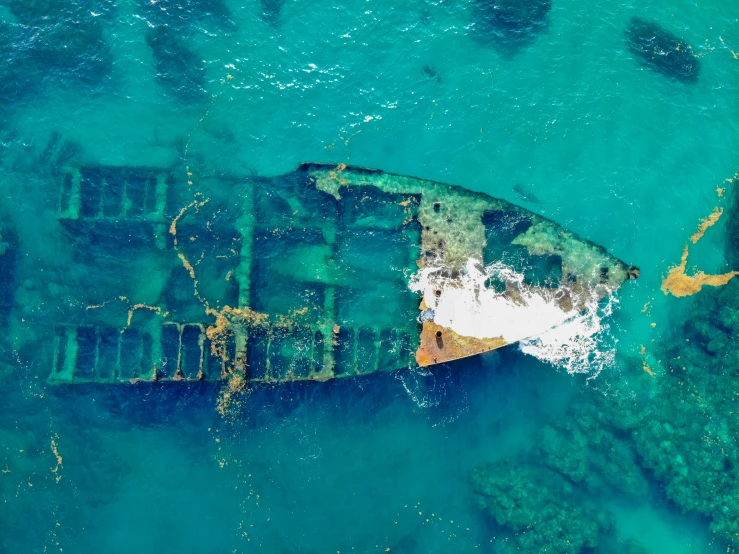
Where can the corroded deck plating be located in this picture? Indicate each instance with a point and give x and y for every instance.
(328, 271)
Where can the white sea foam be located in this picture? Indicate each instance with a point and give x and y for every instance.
(570, 339)
(580, 345)
(415, 384)
(471, 308)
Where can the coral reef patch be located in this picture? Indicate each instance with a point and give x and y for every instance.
(671, 431)
(541, 508)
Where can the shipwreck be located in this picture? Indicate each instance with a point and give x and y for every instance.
(328, 271)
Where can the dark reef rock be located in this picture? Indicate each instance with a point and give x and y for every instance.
(660, 50)
(271, 10)
(579, 459)
(676, 424)
(731, 249)
(688, 435)
(539, 507)
(185, 15)
(77, 51)
(511, 24)
(17, 76)
(584, 447)
(59, 41)
(431, 72)
(8, 263)
(179, 70)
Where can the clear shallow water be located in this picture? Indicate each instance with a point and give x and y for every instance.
(617, 153)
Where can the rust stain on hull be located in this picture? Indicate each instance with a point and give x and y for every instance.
(439, 345)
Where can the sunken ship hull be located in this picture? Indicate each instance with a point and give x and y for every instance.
(328, 271)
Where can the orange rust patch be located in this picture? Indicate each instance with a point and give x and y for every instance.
(450, 346)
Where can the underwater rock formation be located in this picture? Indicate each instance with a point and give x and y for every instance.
(511, 23)
(432, 73)
(180, 71)
(731, 247)
(579, 459)
(677, 422)
(64, 39)
(8, 284)
(661, 51)
(15, 81)
(584, 447)
(271, 10)
(57, 42)
(541, 509)
(188, 15)
(688, 435)
(7, 274)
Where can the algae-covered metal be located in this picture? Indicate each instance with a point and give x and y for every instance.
(328, 271)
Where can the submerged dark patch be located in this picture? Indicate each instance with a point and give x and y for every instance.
(731, 250)
(8, 263)
(58, 43)
(511, 24)
(271, 10)
(16, 81)
(431, 72)
(186, 14)
(661, 51)
(64, 38)
(179, 70)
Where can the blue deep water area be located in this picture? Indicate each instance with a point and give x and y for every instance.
(578, 111)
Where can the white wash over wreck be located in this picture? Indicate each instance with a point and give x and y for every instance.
(328, 271)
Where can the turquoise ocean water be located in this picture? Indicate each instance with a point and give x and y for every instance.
(560, 119)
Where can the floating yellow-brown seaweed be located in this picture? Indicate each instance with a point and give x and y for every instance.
(59, 460)
(645, 365)
(156, 309)
(705, 223)
(173, 226)
(226, 399)
(678, 283)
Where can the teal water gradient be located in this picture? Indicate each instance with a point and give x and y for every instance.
(613, 151)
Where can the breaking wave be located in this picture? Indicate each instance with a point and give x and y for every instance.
(421, 386)
(583, 344)
(576, 341)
